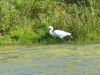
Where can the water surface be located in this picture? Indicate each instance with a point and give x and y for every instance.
(50, 60)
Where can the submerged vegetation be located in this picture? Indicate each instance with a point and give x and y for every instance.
(50, 60)
(26, 21)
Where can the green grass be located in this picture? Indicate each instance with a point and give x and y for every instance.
(26, 22)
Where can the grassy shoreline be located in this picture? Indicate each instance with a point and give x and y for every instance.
(25, 22)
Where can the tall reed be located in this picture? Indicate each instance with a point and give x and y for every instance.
(26, 21)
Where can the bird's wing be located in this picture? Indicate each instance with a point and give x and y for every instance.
(61, 33)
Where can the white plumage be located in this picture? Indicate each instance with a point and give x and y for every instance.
(58, 33)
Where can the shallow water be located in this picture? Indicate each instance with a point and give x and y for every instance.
(50, 60)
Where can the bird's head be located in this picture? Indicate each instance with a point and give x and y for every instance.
(50, 27)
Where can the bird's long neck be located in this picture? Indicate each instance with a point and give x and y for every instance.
(51, 31)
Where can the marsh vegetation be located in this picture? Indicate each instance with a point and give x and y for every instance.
(26, 21)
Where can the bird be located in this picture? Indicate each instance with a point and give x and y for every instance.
(58, 33)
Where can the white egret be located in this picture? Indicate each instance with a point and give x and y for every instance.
(58, 33)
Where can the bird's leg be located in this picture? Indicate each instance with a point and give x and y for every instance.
(61, 37)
